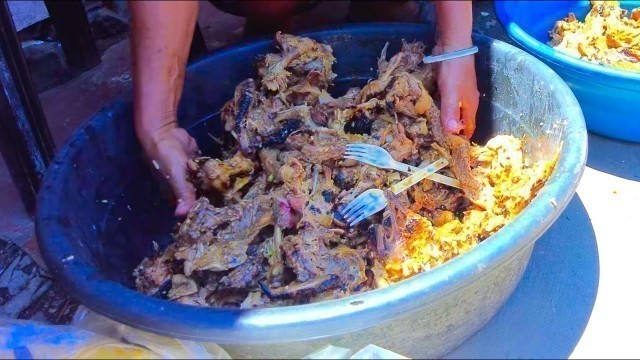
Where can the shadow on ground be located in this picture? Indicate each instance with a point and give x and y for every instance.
(549, 310)
(614, 157)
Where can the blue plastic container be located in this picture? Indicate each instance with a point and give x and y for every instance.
(609, 97)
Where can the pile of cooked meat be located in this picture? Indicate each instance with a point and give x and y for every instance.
(266, 230)
(607, 36)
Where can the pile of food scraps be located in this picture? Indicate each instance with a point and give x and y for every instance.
(606, 36)
(266, 230)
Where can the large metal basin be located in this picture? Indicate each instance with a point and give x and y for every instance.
(99, 210)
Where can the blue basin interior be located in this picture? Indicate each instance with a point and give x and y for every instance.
(100, 209)
(606, 95)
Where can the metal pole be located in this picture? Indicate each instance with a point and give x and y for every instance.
(25, 141)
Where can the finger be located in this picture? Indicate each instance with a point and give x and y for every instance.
(469, 111)
(450, 113)
(188, 142)
(192, 147)
(182, 188)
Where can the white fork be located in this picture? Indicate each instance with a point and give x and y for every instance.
(379, 157)
(373, 200)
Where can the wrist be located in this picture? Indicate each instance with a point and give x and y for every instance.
(151, 130)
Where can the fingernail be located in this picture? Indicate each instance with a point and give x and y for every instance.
(454, 126)
(182, 208)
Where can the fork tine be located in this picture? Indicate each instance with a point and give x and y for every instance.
(355, 203)
(361, 157)
(356, 151)
(355, 210)
(367, 202)
(353, 152)
(361, 202)
(346, 208)
(359, 148)
(357, 220)
(357, 214)
(368, 211)
(364, 151)
(355, 157)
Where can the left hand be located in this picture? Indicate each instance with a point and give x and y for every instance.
(458, 88)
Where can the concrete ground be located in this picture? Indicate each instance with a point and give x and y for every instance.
(579, 296)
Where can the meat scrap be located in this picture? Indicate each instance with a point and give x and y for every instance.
(218, 174)
(227, 249)
(311, 260)
(302, 59)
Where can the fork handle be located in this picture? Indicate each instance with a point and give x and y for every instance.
(410, 169)
(404, 168)
(419, 175)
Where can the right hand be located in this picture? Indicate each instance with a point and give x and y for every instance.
(169, 149)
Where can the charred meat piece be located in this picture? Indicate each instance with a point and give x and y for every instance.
(318, 211)
(218, 174)
(153, 275)
(269, 160)
(296, 290)
(395, 141)
(408, 96)
(287, 128)
(409, 59)
(345, 178)
(302, 59)
(368, 177)
(431, 197)
(204, 219)
(182, 286)
(309, 258)
(258, 188)
(387, 235)
(228, 248)
(305, 94)
(251, 116)
(324, 145)
(236, 113)
(360, 124)
(245, 275)
(254, 300)
(286, 216)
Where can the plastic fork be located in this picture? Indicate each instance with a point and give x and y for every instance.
(379, 157)
(373, 200)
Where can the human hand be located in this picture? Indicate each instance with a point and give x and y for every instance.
(458, 89)
(169, 148)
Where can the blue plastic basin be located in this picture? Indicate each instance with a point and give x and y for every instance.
(608, 97)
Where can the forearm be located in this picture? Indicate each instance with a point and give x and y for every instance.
(454, 20)
(160, 40)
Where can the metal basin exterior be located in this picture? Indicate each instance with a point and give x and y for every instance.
(99, 211)
(608, 96)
